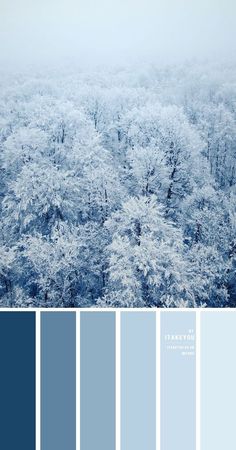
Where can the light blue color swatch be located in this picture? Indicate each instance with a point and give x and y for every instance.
(178, 381)
(138, 381)
(97, 381)
(58, 381)
(218, 380)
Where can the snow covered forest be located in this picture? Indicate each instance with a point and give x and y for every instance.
(118, 187)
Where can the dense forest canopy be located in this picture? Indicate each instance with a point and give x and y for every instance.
(118, 187)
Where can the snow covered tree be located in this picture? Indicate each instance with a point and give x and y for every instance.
(39, 197)
(7, 258)
(23, 146)
(218, 128)
(147, 172)
(53, 265)
(146, 257)
(166, 128)
(209, 276)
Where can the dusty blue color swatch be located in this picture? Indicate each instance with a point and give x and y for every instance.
(17, 380)
(178, 381)
(138, 381)
(97, 380)
(58, 381)
(218, 375)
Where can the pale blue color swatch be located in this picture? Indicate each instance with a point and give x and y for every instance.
(138, 381)
(218, 378)
(178, 381)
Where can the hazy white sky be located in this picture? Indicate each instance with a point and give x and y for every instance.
(116, 30)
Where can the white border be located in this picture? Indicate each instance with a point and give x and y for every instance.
(118, 381)
(198, 379)
(118, 309)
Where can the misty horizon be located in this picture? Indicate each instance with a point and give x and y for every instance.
(118, 32)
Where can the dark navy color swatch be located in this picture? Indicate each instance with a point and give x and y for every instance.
(17, 380)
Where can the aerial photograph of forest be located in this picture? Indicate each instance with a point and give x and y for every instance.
(118, 182)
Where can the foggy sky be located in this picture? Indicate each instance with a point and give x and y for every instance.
(103, 31)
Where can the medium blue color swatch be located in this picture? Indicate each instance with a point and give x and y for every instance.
(138, 381)
(178, 381)
(17, 380)
(58, 381)
(97, 380)
(218, 378)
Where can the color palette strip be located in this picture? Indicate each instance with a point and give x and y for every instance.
(156, 384)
